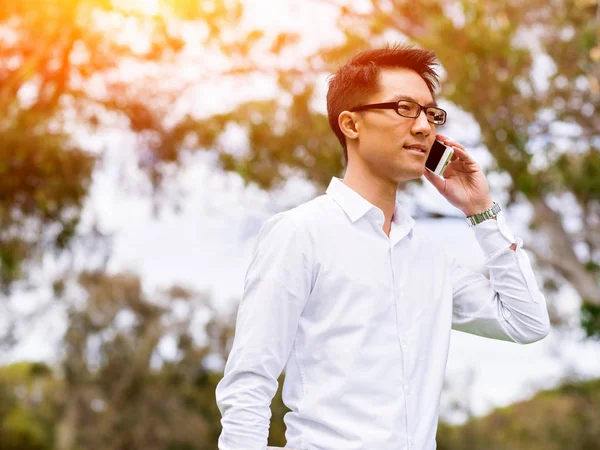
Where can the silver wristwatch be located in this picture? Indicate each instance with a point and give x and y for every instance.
(487, 214)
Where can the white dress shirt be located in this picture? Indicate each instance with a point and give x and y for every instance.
(361, 324)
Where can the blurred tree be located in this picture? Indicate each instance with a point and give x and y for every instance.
(73, 66)
(130, 367)
(561, 418)
(133, 373)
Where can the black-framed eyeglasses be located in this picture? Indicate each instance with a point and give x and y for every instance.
(410, 109)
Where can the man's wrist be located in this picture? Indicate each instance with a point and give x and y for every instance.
(479, 208)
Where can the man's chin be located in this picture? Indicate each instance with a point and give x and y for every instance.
(409, 176)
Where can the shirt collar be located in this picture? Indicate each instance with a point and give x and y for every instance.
(356, 206)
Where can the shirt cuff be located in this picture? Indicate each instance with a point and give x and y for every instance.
(494, 235)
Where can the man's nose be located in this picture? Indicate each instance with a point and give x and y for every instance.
(421, 125)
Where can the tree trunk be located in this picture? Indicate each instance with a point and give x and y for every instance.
(66, 429)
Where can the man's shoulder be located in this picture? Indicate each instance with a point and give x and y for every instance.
(298, 220)
(306, 214)
(300, 223)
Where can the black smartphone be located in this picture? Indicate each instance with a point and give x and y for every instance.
(438, 158)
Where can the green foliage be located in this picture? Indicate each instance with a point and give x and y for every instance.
(278, 411)
(565, 417)
(43, 183)
(590, 319)
(592, 266)
(581, 174)
(26, 411)
(281, 141)
(20, 431)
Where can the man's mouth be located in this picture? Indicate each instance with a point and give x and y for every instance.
(420, 148)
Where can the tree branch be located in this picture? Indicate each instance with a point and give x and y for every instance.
(564, 258)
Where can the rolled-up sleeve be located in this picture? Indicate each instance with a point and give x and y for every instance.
(276, 288)
(509, 305)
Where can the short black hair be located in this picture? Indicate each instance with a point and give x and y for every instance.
(359, 78)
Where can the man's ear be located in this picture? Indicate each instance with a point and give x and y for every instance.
(348, 125)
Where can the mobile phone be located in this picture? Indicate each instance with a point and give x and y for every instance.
(439, 157)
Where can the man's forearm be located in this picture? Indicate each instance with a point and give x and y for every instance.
(513, 280)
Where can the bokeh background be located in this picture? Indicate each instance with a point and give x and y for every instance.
(144, 143)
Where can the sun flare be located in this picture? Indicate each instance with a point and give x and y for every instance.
(149, 7)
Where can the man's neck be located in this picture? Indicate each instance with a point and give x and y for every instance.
(376, 192)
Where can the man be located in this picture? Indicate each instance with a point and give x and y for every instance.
(349, 296)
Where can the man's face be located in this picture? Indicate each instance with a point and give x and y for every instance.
(384, 135)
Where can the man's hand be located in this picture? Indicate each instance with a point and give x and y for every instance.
(464, 185)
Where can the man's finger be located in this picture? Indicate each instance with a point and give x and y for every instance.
(437, 182)
(462, 154)
(449, 142)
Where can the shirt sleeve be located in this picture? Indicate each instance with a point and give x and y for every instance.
(276, 288)
(509, 305)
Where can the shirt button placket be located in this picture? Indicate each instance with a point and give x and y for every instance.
(397, 293)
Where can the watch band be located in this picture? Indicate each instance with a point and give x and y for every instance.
(476, 219)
